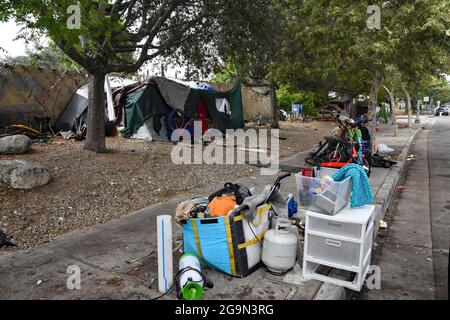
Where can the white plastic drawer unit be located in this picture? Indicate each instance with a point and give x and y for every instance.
(342, 241)
(336, 251)
(351, 230)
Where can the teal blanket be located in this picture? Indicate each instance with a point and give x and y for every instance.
(361, 190)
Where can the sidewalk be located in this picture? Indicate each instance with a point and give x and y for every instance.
(413, 252)
(101, 252)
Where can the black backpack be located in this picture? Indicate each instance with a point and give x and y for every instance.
(239, 191)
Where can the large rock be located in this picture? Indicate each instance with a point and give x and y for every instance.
(17, 144)
(21, 174)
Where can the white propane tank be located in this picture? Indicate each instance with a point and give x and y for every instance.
(280, 247)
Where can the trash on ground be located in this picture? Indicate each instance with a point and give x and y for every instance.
(383, 224)
(5, 241)
(383, 149)
(400, 188)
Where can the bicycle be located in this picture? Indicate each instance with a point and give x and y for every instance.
(352, 145)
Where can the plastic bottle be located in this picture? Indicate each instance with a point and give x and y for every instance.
(191, 280)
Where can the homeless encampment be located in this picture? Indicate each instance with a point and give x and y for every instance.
(148, 108)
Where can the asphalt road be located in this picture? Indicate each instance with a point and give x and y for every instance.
(413, 252)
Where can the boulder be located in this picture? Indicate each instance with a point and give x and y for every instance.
(21, 174)
(17, 144)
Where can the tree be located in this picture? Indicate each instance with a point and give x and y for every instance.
(102, 37)
(330, 47)
(392, 83)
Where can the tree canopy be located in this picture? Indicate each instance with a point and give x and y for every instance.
(120, 37)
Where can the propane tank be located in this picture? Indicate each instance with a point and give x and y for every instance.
(280, 247)
(191, 280)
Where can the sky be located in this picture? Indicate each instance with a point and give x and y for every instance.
(8, 31)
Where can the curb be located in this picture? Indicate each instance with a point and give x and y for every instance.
(382, 200)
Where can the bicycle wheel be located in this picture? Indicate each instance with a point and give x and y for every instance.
(314, 161)
(337, 156)
(176, 119)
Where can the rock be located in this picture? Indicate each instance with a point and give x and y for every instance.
(21, 174)
(17, 144)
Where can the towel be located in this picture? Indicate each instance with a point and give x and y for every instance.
(361, 190)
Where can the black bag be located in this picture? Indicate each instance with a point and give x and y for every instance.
(239, 191)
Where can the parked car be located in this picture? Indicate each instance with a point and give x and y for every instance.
(443, 110)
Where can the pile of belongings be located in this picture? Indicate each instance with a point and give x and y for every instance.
(220, 203)
(225, 230)
(232, 199)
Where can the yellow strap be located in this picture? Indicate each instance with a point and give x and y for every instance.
(252, 242)
(197, 238)
(230, 246)
(260, 211)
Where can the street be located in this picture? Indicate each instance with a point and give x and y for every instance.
(412, 252)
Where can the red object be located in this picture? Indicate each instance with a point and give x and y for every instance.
(307, 172)
(203, 114)
(334, 164)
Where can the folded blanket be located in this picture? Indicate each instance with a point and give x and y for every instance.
(361, 190)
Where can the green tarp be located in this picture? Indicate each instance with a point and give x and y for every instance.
(146, 102)
(141, 105)
(219, 119)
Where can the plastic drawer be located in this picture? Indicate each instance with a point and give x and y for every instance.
(350, 230)
(338, 252)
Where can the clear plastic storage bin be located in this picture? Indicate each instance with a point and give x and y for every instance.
(322, 194)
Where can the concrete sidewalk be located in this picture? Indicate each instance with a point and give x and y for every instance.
(413, 253)
(101, 252)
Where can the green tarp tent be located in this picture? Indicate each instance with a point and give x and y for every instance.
(213, 99)
(224, 108)
(141, 105)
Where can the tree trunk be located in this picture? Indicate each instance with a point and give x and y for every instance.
(95, 136)
(273, 102)
(392, 108)
(394, 116)
(408, 105)
(373, 103)
(353, 108)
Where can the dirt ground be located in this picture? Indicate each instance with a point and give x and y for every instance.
(88, 188)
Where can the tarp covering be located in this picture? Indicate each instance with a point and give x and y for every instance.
(141, 105)
(175, 94)
(156, 98)
(220, 120)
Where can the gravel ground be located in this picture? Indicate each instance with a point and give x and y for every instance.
(89, 188)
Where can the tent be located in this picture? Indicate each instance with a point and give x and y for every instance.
(74, 115)
(148, 109)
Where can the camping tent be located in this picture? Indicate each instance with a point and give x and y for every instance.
(151, 105)
(74, 115)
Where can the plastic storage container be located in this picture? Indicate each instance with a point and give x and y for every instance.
(322, 194)
(343, 241)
